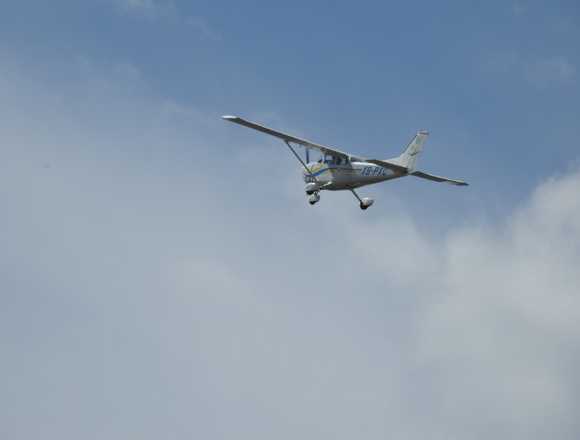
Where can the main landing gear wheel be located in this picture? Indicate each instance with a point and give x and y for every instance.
(364, 202)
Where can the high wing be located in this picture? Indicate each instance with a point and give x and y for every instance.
(423, 175)
(286, 137)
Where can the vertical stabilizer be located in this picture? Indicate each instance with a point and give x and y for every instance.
(409, 157)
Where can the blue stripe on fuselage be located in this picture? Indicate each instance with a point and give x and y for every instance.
(319, 172)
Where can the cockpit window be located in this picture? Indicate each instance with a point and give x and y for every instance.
(333, 160)
(329, 159)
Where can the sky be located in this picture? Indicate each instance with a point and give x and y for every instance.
(162, 275)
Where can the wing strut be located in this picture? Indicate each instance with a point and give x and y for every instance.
(300, 160)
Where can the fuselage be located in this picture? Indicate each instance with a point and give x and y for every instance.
(350, 175)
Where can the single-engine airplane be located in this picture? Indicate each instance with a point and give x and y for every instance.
(336, 170)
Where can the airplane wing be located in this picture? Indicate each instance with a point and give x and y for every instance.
(423, 175)
(286, 137)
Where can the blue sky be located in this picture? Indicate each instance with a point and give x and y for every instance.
(482, 78)
(161, 274)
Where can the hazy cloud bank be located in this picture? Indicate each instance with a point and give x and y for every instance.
(166, 10)
(152, 286)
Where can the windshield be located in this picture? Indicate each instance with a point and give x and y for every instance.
(333, 160)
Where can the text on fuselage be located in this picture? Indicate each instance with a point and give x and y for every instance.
(373, 171)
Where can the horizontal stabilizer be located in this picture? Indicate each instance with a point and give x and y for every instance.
(423, 175)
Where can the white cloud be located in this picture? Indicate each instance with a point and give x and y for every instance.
(536, 71)
(502, 324)
(519, 9)
(152, 9)
(203, 28)
(552, 70)
(144, 297)
(166, 10)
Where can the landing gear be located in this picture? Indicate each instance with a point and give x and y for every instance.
(311, 188)
(365, 202)
(314, 198)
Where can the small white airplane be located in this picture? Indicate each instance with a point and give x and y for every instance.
(336, 171)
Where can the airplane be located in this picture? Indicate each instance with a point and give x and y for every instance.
(339, 171)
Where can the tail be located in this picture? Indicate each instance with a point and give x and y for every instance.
(409, 157)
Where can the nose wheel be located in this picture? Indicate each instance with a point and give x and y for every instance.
(314, 198)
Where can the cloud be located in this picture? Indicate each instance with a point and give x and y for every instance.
(166, 10)
(203, 28)
(152, 9)
(536, 71)
(152, 286)
(503, 318)
(548, 71)
(519, 9)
